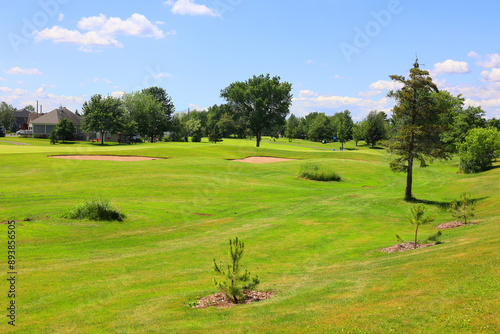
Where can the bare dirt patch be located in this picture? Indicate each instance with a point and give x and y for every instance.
(104, 157)
(15, 143)
(454, 224)
(220, 300)
(262, 160)
(404, 247)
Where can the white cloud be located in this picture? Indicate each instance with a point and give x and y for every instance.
(473, 54)
(2, 79)
(102, 31)
(491, 76)
(60, 17)
(28, 71)
(196, 107)
(370, 93)
(160, 76)
(63, 35)
(308, 101)
(386, 85)
(136, 25)
(188, 7)
(19, 97)
(307, 93)
(310, 61)
(493, 60)
(451, 67)
(117, 94)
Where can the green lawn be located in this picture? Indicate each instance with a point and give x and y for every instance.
(315, 244)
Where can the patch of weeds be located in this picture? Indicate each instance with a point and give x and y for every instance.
(96, 209)
(316, 172)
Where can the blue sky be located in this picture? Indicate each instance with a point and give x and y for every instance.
(337, 54)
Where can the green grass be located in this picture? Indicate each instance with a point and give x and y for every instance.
(96, 209)
(316, 172)
(316, 244)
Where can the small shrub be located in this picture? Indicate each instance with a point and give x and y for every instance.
(463, 208)
(233, 282)
(417, 218)
(316, 172)
(196, 138)
(96, 209)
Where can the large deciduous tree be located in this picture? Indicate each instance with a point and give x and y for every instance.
(479, 149)
(147, 112)
(102, 114)
(166, 101)
(419, 122)
(263, 101)
(7, 115)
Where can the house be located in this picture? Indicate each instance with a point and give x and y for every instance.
(23, 118)
(43, 125)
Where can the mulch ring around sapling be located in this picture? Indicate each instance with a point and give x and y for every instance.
(404, 247)
(454, 224)
(220, 300)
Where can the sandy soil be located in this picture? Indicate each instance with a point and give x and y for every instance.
(103, 157)
(262, 160)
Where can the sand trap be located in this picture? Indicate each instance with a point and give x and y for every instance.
(103, 157)
(262, 160)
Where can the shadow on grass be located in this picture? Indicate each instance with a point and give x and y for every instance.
(442, 205)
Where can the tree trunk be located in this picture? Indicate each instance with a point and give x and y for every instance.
(102, 138)
(258, 139)
(415, 245)
(409, 178)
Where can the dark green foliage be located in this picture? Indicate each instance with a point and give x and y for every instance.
(419, 121)
(96, 209)
(262, 101)
(7, 115)
(342, 126)
(292, 127)
(196, 138)
(53, 137)
(358, 132)
(215, 134)
(463, 208)
(320, 128)
(233, 283)
(14, 127)
(165, 100)
(65, 129)
(316, 172)
(375, 128)
(148, 114)
(102, 115)
(480, 148)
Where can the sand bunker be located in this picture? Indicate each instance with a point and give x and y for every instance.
(262, 160)
(103, 157)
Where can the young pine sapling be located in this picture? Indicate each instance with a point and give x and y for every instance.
(463, 208)
(233, 283)
(417, 218)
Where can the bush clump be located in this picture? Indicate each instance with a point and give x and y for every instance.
(96, 209)
(316, 172)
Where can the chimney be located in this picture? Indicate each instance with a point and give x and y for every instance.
(37, 107)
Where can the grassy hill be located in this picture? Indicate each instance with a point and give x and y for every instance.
(315, 245)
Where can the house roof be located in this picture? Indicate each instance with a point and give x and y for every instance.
(56, 115)
(22, 113)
